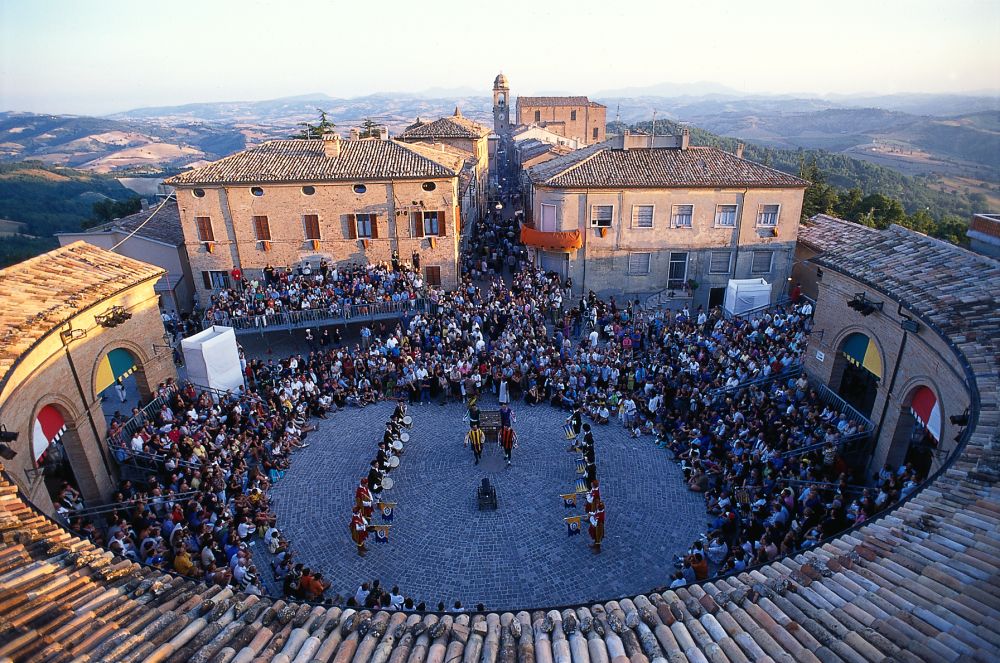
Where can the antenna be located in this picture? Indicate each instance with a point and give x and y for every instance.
(618, 114)
(654, 127)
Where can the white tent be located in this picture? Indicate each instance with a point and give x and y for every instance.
(213, 359)
(745, 294)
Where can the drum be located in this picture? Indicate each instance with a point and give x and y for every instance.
(394, 461)
(397, 446)
(408, 421)
(404, 437)
(387, 483)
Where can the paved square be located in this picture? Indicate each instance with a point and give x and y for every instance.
(442, 548)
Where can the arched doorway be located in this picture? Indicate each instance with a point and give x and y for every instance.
(920, 431)
(115, 381)
(51, 430)
(862, 372)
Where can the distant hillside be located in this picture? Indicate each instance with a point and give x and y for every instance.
(106, 145)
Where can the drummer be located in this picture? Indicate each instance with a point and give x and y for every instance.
(389, 435)
(375, 479)
(383, 455)
(400, 411)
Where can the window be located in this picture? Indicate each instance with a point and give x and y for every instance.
(761, 263)
(601, 215)
(638, 263)
(725, 216)
(681, 216)
(428, 186)
(538, 116)
(432, 274)
(311, 222)
(548, 218)
(572, 115)
(261, 228)
(642, 216)
(720, 262)
(215, 280)
(198, 193)
(360, 189)
(677, 273)
(768, 215)
(431, 226)
(595, 133)
(257, 191)
(204, 225)
(366, 226)
(308, 190)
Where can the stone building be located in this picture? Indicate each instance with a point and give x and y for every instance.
(576, 118)
(463, 134)
(347, 201)
(984, 234)
(151, 238)
(882, 299)
(72, 321)
(641, 215)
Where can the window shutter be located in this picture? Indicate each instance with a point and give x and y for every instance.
(374, 221)
(352, 226)
(207, 280)
(418, 224)
(442, 224)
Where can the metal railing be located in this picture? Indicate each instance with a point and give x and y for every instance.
(791, 371)
(783, 303)
(289, 320)
(830, 398)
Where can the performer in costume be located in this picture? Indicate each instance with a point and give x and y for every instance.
(382, 457)
(508, 440)
(575, 420)
(375, 479)
(476, 437)
(400, 411)
(359, 530)
(596, 529)
(363, 499)
(472, 416)
(507, 418)
(389, 434)
(593, 496)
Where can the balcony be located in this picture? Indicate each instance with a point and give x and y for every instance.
(552, 241)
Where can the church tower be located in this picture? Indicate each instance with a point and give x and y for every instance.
(501, 105)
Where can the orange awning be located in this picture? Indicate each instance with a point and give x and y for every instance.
(554, 241)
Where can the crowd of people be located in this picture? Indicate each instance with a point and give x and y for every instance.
(723, 395)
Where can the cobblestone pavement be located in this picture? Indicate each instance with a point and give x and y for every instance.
(442, 548)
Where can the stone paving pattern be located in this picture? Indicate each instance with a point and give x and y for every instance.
(442, 548)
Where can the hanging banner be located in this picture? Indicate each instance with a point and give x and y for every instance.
(118, 363)
(386, 510)
(569, 500)
(49, 427)
(572, 525)
(926, 408)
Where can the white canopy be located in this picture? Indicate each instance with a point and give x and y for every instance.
(213, 359)
(745, 294)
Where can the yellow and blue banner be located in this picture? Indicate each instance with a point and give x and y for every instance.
(381, 533)
(386, 510)
(581, 486)
(569, 500)
(572, 525)
(581, 466)
(568, 429)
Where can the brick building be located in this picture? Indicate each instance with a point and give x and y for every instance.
(60, 348)
(984, 234)
(285, 202)
(640, 215)
(576, 118)
(883, 298)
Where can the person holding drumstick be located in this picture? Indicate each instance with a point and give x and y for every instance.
(476, 437)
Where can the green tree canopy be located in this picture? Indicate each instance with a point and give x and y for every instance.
(314, 131)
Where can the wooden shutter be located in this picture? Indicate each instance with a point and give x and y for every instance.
(312, 226)
(204, 224)
(433, 274)
(442, 225)
(207, 280)
(374, 221)
(352, 226)
(418, 224)
(261, 228)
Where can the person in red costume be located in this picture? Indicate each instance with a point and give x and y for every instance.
(363, 499)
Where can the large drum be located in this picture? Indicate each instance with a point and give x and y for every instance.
(394, 461)
(397, 446)
(404, 437)
(387, 483)
(408, 421)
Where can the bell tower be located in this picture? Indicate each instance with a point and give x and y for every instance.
(501, 105)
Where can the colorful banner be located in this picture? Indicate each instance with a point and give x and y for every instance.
(569, 500)
(118, 363)
(926, 408)
(861, 351)
(386, 510)
(49, 427)
(381, 533)
(572, 525)
(568, 429)
(581, 466)
(581, 486)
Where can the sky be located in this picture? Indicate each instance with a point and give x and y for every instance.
(105, 56)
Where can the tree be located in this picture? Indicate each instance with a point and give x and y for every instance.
(110, 209)
(883, 211)
(820, 197)
(370, 129)
(311, 131)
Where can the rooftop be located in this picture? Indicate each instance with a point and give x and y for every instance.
(987, 224)
(823, 232)
(299, 160)
(601, 165)
(455, 126)
(558, 101)
(43, 292)
(164, 226)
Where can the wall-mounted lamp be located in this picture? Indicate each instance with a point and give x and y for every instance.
(113, 317)
(168, 343)
(68, 335)
(7, 436)
(863, 305)
(960, 419)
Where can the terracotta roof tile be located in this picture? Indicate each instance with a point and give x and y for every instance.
(601, 166)
(164, 226)
(558, 101)
(823, 232)
(304, 161)
(447, 127)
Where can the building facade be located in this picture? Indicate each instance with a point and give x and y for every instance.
(74, 320)
(576, 118)
(151, 238)
(884, 301)
(286, 202)
(642, 215)
(984, 234)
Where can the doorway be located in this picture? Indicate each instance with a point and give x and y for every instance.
(716, 297)
(858, 387)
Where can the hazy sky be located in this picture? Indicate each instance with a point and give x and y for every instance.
(88, 56)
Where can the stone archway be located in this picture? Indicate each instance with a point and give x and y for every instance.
(858, 370)
(917, 436)
(121, 359)
(60, 452)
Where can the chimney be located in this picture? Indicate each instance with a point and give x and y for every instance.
(739, 150)
(355, 134)
(383, 133)
(331, 145)
(685, 139)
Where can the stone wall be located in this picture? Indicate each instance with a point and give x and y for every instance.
(558, 119)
